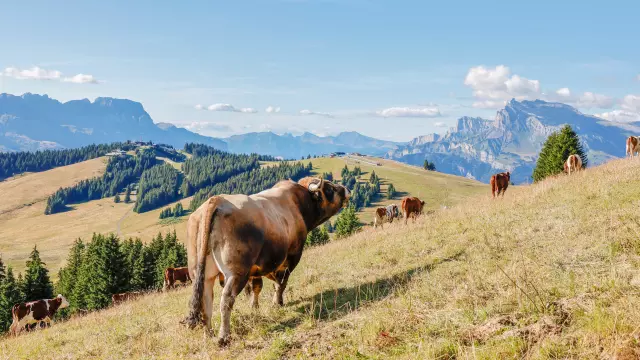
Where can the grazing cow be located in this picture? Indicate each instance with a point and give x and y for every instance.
(411, 207)
(34, 312)
(384, 214)
(633, 146)
(120, 298)
(248, 237)
(499, 183)
(573, 164)
(174, 276)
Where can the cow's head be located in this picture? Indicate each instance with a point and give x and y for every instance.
(63, 302)
(329, 198)
(421, 205)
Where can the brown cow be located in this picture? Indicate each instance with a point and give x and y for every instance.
(252, 236)
(33, 312)
(174, 276)
(499, 183)
(573, 164)
(120, 298)
(412, 207)
(633, 146)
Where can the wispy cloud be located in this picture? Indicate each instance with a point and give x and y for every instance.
(309, 112)
(226, 107)
(38, 73)
(205, 126)
(440, 124)
(586, 100)
(629, 112)
(272, 109)
(419, 112)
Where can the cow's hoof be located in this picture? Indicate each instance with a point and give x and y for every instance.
(224, 341)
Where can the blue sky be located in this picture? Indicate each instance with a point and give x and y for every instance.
(388, 69)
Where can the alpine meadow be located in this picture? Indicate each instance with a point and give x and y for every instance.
(309, 179)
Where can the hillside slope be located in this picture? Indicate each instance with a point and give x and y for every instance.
(551, 271)
(55, 233)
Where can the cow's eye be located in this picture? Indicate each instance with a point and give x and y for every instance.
(328, 193)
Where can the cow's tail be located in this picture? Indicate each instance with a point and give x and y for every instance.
(13, 329)
(166, 280)
(195, 307)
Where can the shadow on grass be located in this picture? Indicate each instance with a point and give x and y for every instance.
(336, 303)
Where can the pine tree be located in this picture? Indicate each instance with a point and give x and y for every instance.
(103, 271)
(116, 199)
(10, 295)
(317, 236)
(3, 272)
(178, 210)
(37, 284)
(429, 165)
(127, 195)
(327, 225)
(391, 192)
(69, 276)
(555, 152)
(347, 222)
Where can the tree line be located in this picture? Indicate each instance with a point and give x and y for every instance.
(12, 163)
(199, 150)
(252, 182)
(120, 172)
(159, 185)
(93, 272)
(362, 193)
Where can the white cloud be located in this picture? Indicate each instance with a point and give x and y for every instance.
(440, 124)
(272, 109)
(199, 107)
(204, 126)
(631, 103)
(498, 84)
(81, 79)
(564, 92)
(35, 73)
(38, 73)
(423, 112)
(620, 116)
(590, 100)
(488, 104)
(231, 108)
(309, 112)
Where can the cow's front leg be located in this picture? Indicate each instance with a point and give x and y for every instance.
(281, 279)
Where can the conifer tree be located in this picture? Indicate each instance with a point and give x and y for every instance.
(127, 195)
(391, 192)
(178, 210)
(327, 225)
(116, 199)
(555, 152)
(317, 236)
(347, 222)
(10, 295)
(37, 285)
(69, 276)
(3, 271)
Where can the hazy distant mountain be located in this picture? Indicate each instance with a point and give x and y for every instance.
(33, 122)
(477, 148)
(290, 146)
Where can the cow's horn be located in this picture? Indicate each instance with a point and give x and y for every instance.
(316, 187)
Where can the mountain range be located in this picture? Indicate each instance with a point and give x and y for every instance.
(477, 148)
(474, 148)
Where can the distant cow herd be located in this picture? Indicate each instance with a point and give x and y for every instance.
(239, 239)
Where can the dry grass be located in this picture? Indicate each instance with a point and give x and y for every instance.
(54, 234)
(551, 271)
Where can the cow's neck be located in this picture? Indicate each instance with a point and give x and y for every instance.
(311, 212)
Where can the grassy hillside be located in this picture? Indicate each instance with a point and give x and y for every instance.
(437, 189)
(55, 233)
(551, 271)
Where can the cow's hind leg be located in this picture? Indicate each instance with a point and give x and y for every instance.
(255, 286)
(232, 287)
